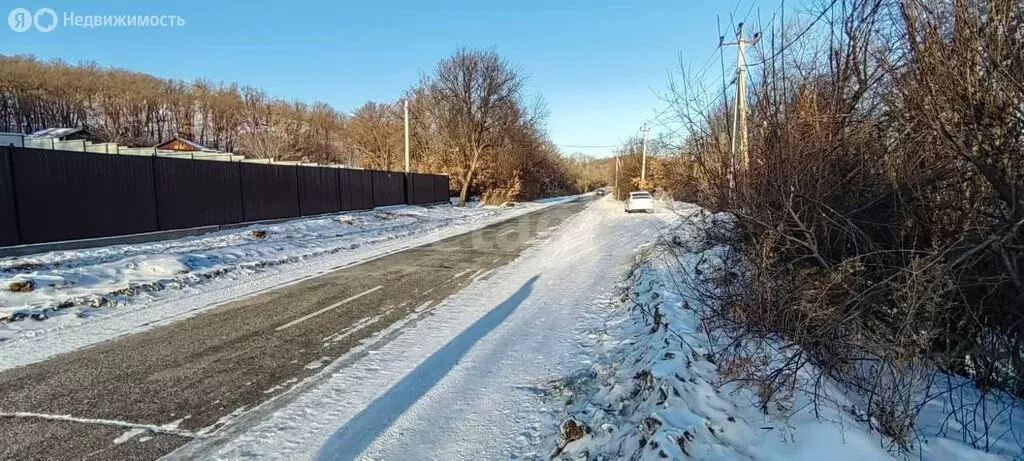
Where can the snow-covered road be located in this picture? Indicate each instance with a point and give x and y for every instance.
(462, 383)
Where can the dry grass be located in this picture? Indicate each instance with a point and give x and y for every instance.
(882, 213)
(21, 286)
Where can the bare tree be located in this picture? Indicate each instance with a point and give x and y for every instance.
(477, 94)
(375, 131)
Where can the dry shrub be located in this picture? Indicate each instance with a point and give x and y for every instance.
(500, 195)
(21, 286)
(881, 213)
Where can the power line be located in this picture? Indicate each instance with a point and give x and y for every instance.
(732, 16)
(751, 10)
(800, 35)
(705, 67)
(699, 75)
(706, 109)
(701, 72)
(657, 116)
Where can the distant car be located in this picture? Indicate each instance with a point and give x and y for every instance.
(640, 201)
(602, 192)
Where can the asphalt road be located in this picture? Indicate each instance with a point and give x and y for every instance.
(196, 373)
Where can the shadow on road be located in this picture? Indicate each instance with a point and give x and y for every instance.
(357, 434)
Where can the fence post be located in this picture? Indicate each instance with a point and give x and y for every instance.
(374, 187)
(156, 192)
(298, 191)
(406, 188)
(337, 182)
(241, 191)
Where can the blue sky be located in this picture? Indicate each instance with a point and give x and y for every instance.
(597, 64)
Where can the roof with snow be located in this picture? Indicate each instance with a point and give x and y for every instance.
(58, 133)
(183, 145)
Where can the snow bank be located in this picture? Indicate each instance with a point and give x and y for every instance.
(654, 393)
(110, 276)
(117, 290)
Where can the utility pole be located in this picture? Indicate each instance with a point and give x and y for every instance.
(643, 163)
(406, 135)
(739, 124)
(616, 176)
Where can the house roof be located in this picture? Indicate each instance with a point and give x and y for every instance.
(194, 145)
(55, 133)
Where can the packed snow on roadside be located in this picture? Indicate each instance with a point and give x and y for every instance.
(114, 275)
(652, 393)
(116, 290)
(459, 379)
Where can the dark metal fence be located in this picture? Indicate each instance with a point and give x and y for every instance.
(442, 188)
(319, 190)
(49, 196)
(72, 195)
(269, 191)
(8, 214)
(388, 188)
(358, 184)
(425, 188)
(192, 194)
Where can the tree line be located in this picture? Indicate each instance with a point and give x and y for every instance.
(470, 119)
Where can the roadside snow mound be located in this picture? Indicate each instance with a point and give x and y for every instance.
(86, 281)
(655, 393)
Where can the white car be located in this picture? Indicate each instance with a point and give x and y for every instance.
(639, 201)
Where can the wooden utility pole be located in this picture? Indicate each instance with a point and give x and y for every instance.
(406, 135)
(643, 162)
(739, 120)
